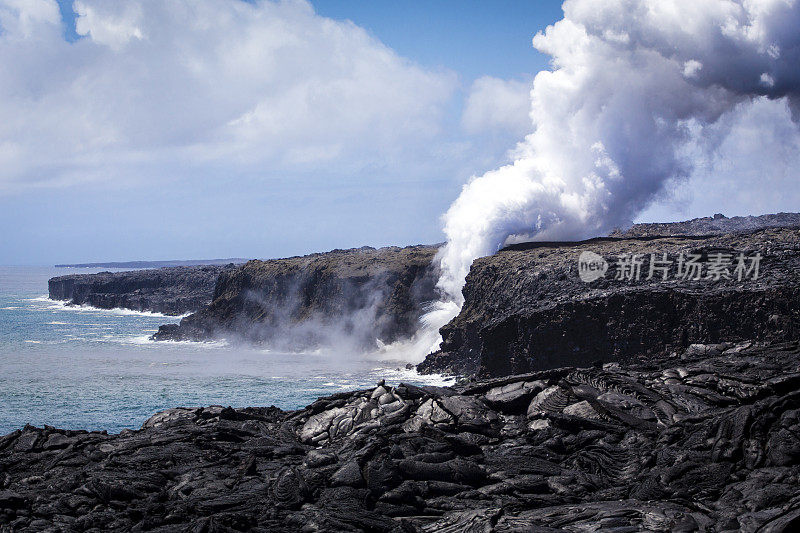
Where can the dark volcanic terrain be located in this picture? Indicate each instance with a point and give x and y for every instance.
(705, 440)
(716, 225)
(617, 404)
(169, 290)
(357, 295)
(526, 308)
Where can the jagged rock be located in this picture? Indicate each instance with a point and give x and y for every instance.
(581, 409)
(706, 443)
(317, 458)
(478, 521)
(169, 415)
(381, 474)
(11, 500)
(469, 412)
(514, 396)
(56, 441)
(348, 474)
(27, 441)
(289, 488)
(457, 471)
(718, 224)
(551, 400)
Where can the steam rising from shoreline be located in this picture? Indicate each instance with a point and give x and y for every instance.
(634, 99)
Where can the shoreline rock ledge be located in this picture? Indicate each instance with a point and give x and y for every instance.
(705, 440)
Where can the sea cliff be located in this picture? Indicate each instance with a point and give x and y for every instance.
(526, 308)
(169, 290)
(356, 296)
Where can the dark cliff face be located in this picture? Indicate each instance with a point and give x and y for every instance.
(526, 307)
(171, 291)
(352, 296)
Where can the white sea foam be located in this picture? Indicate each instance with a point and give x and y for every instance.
(145, 339)
(394, 376)
(85, 308)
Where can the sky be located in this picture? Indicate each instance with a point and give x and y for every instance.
(151, 130)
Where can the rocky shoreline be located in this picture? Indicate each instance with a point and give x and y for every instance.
(169, 290)
(715, 225)
(618, 403)
(707, 439)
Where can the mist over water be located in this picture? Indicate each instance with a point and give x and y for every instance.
(87, 368)
(640, 93)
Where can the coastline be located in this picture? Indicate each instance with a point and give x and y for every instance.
(671, 444)
(681, 430)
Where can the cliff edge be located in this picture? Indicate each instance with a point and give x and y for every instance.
(354, 296)
(169, 290)
(527, 308)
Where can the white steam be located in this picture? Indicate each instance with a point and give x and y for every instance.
(636, 94)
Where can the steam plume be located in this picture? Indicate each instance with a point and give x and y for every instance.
(636, 92)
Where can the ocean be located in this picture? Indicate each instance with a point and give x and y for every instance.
(78, 367)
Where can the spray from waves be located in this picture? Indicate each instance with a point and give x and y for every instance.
(635, 97)
(46, 303)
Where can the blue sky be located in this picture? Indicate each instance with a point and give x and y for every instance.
(472, 37)
(159, 130)
(121, 208)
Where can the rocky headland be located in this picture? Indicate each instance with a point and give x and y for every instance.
(357, 295)
(168, 290)
(707, 439)
(526, 308)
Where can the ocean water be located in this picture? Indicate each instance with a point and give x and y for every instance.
(87, 368)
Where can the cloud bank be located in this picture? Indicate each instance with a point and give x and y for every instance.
(641, 93)
(155, 87)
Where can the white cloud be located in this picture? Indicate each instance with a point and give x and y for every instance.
(495, 104)
(106, 24)
(159, 88)
(21, 18)
(691, 68)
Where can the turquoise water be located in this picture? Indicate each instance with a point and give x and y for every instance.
(87, 368)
